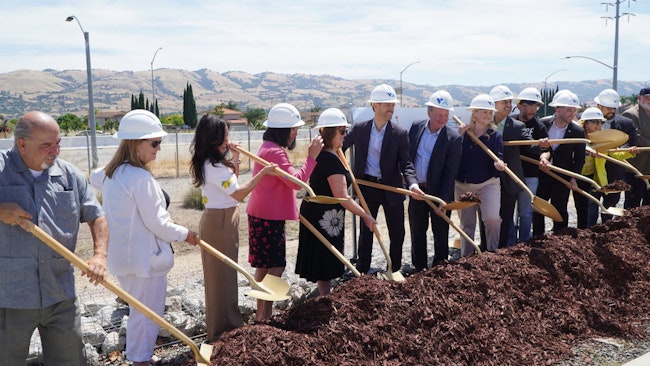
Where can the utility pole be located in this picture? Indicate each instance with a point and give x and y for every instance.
(616, 21)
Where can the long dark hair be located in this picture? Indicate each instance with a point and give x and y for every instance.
(210, 134)
(280, 136)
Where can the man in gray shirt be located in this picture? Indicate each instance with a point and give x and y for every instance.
(36, 284)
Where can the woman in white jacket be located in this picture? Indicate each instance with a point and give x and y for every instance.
(139, 249)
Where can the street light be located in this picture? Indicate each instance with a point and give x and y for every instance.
(91, 106)
(401, 91)
(153, 90)
(545, 79)
(614, 68)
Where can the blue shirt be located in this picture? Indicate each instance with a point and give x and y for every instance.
(32, 275)
(423, 155)
(476, 166)
(374, 150)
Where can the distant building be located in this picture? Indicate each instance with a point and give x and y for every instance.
(102, 117)
(233, 117)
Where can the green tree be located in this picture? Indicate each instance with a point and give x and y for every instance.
(232, 105)
(218, 110)
(189, 107)
(110, 125)
(71, 122)
(172, 119)
(316, 109)
(255, 117)
(630, 100)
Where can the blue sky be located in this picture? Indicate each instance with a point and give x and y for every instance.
(466, 42)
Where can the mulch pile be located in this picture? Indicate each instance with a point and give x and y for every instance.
(617, 185)
(469, 197)
(525, 305)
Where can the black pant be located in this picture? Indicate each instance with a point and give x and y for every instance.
(582, 205)
(394, 221)
(637, 195)
(507, 213)
(558, 193)
(419, 214)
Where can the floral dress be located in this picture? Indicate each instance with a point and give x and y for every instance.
(314, 261)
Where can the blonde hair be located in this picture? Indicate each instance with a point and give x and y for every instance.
(472, 124)
(127, 153)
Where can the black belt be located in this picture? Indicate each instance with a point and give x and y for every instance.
(370, 178)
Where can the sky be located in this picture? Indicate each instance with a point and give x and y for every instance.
(426, 42)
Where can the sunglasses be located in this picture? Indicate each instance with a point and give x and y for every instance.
(155, 143)
(343, 131)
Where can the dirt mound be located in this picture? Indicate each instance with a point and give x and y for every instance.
(525, 305)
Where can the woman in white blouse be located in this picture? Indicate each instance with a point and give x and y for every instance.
(215, 168)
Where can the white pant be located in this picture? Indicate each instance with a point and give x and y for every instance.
(142, 332)
(490, 194)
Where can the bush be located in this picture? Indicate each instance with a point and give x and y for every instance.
(194, 199)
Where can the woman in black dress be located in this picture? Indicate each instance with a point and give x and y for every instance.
(315, 262)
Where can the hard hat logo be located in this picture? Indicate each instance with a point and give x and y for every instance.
(442, 102)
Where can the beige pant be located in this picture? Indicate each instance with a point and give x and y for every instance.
(219, 228)
(490, 194)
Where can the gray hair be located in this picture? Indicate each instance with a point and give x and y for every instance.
(22, 130)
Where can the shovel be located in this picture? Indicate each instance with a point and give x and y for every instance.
(329, 246)
(202, 356)
(629, 149)
(429, 199)
(607, 139)
(541, 206)
(456, 205)
(312, 197)
(627, 166)
(395, 276)
(552, 142)
(611, 211)
(570, 174)
(272, 288)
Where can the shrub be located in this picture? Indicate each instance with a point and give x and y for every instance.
(193, 199)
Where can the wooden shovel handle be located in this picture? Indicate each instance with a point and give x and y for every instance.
(277, 170)
(552, 142)
(480, 143)
(83, 266)
(625, 165)
(563, 171)
(452, 224)
(629, 149)
(403, 191)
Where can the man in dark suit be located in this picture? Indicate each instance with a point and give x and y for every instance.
(381, 155)
(510, 130)
(435, 152)
(567, 156)
(608, 102)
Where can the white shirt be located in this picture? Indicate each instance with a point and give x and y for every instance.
(220, 183)
(555, 133)
(140, 226)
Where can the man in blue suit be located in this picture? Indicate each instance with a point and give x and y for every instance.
(435, 152)
(381, 155)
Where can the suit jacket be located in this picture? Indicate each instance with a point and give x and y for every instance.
(513, 130)
(394, 161)
(641, 121)
(569, 156)
(621, 123)
(445, 158)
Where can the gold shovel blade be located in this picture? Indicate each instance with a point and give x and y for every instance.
(547, 209)
(324, 199)
(272, 288)
(616, 211)
(459, 205)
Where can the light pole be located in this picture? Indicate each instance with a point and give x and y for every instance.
(91, 106)
(401, 91)
(545, 79)
(614, 82)
(153, 90)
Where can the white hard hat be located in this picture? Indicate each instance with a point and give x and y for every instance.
(383, 94)
(332, 117)
(608, 98)
(501, 92)
(530, 94)
(482, 101)
(139, 124)
(441, 99)
(565, 98)
(283, 115)
(592, 113)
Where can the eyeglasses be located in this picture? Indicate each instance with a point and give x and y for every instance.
(155, 143)
(343, 131)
